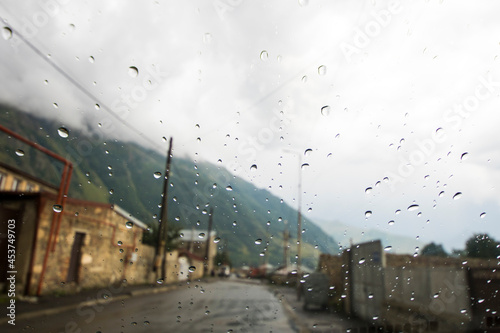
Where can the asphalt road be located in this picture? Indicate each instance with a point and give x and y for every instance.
(221, 306)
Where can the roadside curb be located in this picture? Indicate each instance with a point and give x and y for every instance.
(291, 313)
(88, 303)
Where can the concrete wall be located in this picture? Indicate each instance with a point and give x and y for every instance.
(367, 280)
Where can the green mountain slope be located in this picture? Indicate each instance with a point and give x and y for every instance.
(123, 173)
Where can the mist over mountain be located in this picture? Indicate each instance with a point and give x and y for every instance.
(246, 218)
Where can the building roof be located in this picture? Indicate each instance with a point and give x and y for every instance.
(193, 235)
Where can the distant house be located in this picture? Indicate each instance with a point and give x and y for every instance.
(84, 245)
(192, 246)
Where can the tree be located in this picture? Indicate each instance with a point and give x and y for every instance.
(482, 246)
(434, 249)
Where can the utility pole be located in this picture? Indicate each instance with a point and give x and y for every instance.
(299, 225)
(286, 235)
(161, 249)
(207, 246)
(299, 232)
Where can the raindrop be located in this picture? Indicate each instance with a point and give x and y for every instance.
(464, 156)
(207, 38)
(322, 70)
(20, 152)
(413, 207)
(368, 213)
(361, 261)
(129, 224)
(370, 296)
(192, 269)
(105, 296)
(441, 194)
(253, 167)
(457, 195)
(133, 71)
(388, 248)
(391, 222)
(201, 235)
(157, 174)
(6, 33)
(264, 55)
(482, 215)
(325, 110)
(258, 241)
(307, 152)
(216, 240)
(91, 59)
(63, 132)
(368, 190)
(304, 166)
(111, 191)
(120, 243)
(304, 79)
(229, 188)
(397, 211)
(57, 208)
(481, 300)
(97, 106)
(235, 224)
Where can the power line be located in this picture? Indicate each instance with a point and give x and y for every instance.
(73, 81)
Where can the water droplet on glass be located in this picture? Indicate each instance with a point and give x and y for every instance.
(235, 223)
(57, 208)
(229, 188)
(201, 235)
(97, 106)
(157, 174)
(133, 71)
(129, 224)
(216, 240)
(441, 194)
(253, 167)
(304, 166)
(388, 248)
(368, 213)
(207, 38)
(464, 156)
(413, 207)
(308, 152)
(322, 70)
(63, 132)
(258, 241)
(264, 55)
(370, 296)
(482, 215)
(391, 222)
(6, 33)
(397, 211)
(481, 300)
(361, 261)
(325, 110)
(368, 190)
(105, 296)
(304, 79)
(457, 195)
(191, 269)
(111, 191)
(120, 243)
(20, 152)
(91, 59)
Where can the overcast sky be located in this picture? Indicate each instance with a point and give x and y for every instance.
(399, 97)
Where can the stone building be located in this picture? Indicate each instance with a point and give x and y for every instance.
(84, 245)
(192, 246)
